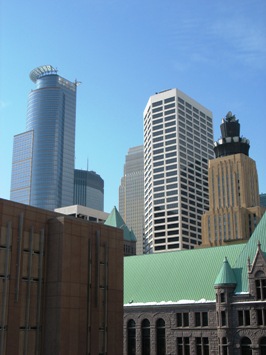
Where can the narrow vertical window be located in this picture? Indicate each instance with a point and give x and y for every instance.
(131, 337)
(145, 337)
(160, 336)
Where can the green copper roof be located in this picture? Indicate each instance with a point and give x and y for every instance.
(249, 251)
(186, 275)
(115, 220)
(190, 275)
(226, 275)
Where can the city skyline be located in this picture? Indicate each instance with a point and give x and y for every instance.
(125, 52)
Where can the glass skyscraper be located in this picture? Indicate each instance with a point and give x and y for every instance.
(178, 142)
(88, 189)
(43, 156)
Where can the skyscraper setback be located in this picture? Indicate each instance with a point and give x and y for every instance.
(178, 142)
(43, 156)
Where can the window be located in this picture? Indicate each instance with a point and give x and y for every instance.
(202, 346)
(183, 347)
(145, 337)
(261, 316)
(224, 346)
(243, 317)
(223, 319)
(201, 319)
(263, 346)
(160, 336)
(131, 337)
(182, 319)
(246, 346)
(260, 283)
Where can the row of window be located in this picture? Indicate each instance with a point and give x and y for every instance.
(184, 345)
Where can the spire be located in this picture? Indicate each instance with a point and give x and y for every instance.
(230, 143)
(226, 275)
(115, 220)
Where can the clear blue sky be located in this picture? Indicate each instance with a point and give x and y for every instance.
(123, 51)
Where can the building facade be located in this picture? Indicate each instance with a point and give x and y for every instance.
(88, 189)
(43, 156)
(178, 142)
(198, 302)
(235, 207)
(61, 284)
(131, 194)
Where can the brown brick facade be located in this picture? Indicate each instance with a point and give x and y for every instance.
(61, 284)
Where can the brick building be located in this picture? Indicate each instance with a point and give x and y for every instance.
(61, 284)
(201, 301)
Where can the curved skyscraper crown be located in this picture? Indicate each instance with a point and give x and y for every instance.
(230, 142)
(45, 178)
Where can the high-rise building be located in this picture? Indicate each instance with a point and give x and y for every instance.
(178, 142)
(88, 189)
(233, 189)
(43, 156)
(131, 194)
(263, 199)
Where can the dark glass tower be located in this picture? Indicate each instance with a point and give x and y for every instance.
(230, 142)
(88, 189)
(43, 156)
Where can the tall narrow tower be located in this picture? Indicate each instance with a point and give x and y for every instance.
(178, 142)
(233, 188)
(43, 156)
(131, 194)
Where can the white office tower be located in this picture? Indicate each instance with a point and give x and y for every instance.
(131, 194)
(178, 142)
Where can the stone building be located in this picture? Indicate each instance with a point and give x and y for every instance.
(201, 301)
(61, 284)
(234, 203)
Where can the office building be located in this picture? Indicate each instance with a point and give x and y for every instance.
(86, 213)
(178, 142)
(43, 156)
(88, 189)
(61, 284)
(202, 301)
(131, 194)
(263, 200)
(233, 189)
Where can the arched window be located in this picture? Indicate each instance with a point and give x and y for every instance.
(160, 336)
(131, 337)
(263, 346)
(246, 346)
(260, 282)
(145, 337)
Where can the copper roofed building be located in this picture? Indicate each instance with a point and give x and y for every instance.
(202, 301)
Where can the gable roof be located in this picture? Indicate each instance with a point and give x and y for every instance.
(189, 275)
(240, 265)
(115, 220)
(185, 275)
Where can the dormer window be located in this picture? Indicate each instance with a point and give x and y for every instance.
(260, 282)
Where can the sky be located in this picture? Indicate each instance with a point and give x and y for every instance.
(124, 51)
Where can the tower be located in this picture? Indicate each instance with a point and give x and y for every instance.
(178, 141)
(233, 188)
(88, 189)
(43, 156)
(131, 194)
